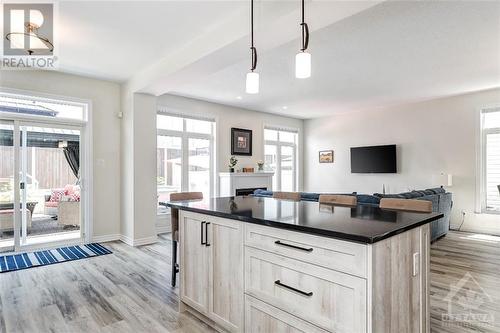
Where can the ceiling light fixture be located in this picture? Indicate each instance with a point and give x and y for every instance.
(303, 58)
(31, 31)
(252, 83)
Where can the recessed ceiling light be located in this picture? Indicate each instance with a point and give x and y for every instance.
(238, 97)
(285, 107)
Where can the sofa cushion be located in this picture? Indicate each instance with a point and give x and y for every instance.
(396, 196)
(262, 193)
(437, 190)
(51, 204)
(368, 199)
(309, 196)
(417, 194)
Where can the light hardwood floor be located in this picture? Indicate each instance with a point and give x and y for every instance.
(129, 290)
(472, 263)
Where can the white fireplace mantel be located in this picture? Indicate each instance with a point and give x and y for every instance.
(229, 182)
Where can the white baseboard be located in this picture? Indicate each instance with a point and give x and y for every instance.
(106, 238)
(139, 241)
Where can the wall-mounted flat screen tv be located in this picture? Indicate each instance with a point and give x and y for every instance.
(374, 159)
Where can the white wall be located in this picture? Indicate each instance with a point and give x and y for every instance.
(138, 158)
(228, 117)
(432, 137)
(105, 97)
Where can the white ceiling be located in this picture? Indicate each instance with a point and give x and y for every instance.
(365, 54)
(116, 39)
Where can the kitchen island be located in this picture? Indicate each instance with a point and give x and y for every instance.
(251, 264)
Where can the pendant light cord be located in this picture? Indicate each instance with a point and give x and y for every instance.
(305, 30)
(252, 48)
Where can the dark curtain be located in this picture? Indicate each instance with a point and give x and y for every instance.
(72, 154)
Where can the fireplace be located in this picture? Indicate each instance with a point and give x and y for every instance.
(244, 183)
(248, 191)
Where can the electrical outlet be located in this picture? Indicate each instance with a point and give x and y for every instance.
(416, 263)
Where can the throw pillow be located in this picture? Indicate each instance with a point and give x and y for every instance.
(56, 194)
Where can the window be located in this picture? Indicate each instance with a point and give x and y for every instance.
(184, 156)
(490, 159)
(280, 152)
(23, 105)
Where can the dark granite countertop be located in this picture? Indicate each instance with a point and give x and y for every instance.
(362, 223)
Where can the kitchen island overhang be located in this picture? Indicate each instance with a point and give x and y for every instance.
(363, 223)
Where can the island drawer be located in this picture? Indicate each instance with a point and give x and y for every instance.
(329, 299)
(261, 317)
(343, 256)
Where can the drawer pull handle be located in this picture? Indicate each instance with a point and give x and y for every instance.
(206, 234)
(294, 246)
(203, 242)
(278, 282)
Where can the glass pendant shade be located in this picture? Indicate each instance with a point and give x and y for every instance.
(252, 83)
(302, 65)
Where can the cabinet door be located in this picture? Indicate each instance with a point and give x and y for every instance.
(225, 239)
(194, 265)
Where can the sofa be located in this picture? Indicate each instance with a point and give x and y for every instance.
(441, 202)
(64, 203)
(7, 218)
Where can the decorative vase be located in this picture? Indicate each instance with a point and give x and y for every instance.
(231, 169)
(260, 167)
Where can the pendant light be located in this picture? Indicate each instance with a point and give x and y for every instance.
(252, 84)
(303, 58)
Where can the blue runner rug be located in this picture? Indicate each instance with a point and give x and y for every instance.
(41, 258)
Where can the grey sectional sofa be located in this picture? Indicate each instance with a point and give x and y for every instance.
(441, 202)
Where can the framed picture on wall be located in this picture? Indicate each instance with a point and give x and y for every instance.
(241, 142)
(326, 156)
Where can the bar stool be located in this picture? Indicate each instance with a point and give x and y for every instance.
(295, 196)
(421, 206)
(347, 200)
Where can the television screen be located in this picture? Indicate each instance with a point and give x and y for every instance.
(374, 159)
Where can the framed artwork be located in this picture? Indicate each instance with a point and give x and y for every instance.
(326, 156)
(241, 141)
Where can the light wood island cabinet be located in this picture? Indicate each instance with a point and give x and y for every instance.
(245, 277)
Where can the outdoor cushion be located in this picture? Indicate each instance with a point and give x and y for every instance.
(56, 194)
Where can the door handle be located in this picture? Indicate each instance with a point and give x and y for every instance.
(21, 185)
(201, 237)
(206, 234)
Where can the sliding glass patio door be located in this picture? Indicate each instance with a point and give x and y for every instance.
(50, 183)
(7, 189)
(40, 190)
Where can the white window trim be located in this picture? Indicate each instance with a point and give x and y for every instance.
(185, 136)
(280, 144)
(481, 194)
